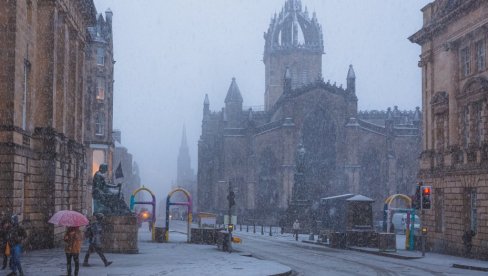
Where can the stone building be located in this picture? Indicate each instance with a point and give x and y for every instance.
(454, 157)
(369, 152)
(98, 114)
(42, 87)
(131, 179)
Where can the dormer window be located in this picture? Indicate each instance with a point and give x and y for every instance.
(100, 56)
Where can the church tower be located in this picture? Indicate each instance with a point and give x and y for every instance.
(184, 174)
(293, 41)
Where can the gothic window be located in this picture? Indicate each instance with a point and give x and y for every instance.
(304, 79)
(480, 55)
(99, 124)
(439, 209)
(294, 78)
(100, 56)
(465, 61)
(268, 197)
(100, 89)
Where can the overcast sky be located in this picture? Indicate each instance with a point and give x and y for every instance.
(170, 53)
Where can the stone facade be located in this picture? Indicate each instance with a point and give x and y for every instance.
(454, 157)
(131, 180)
(371, 152)
(42, 88)
(98, 114)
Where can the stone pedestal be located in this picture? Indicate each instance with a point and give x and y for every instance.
(120, 234)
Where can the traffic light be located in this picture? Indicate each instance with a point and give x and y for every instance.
(426, 192)
(231, 198)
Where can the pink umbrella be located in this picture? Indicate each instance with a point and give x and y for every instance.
(69, 218)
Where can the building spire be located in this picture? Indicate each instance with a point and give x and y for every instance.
(184, 142)
(351, 79)
(233, 94)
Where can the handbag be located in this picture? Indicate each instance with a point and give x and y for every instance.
(7, 249)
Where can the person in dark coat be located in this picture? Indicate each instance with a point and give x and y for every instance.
(16, 237)
(94, 235)
(4, 233)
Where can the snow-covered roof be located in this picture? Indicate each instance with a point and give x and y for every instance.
(360, 198)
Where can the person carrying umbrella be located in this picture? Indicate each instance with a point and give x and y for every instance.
(94, 235)
(72, 238)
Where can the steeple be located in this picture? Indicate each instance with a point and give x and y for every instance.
(351, 80)
(233, 94)
(206, 107)
(184, 170)
(233, 105)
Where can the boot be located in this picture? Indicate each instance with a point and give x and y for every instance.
(108, 263)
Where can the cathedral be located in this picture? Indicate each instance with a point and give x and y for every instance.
(373, 153)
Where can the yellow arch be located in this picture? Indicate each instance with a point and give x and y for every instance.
(390, 199)
(187, 194)
(142, 189)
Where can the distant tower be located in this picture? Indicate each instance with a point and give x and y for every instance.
(184, 174)
(351, 80)
(294, 41)
(233, 104)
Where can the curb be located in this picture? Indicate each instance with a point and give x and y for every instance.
(379, 253)
(470, 267)
(385, 254)
(284, 273)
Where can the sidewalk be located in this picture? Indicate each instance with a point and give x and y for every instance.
(174, 258)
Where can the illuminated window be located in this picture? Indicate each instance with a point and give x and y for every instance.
(100, 89)
(100, 56)
(99, 124)
(98, 158)
(465, 61)
(480, 55)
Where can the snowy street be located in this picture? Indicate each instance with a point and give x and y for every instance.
(308, 259)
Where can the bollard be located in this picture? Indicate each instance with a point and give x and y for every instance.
(262, 229)
(254, 230)
(247, 229)
(240, 227)
(270, 229)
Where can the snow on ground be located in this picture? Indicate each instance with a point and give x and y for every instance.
(173, 258)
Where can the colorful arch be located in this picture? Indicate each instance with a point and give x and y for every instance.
(133, 202)
(188, 204)
(409, 241)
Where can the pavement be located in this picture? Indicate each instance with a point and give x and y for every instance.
(174, 258)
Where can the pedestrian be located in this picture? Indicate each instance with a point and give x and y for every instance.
(73, 238)
(94, 235)
(296, 229)
(468, 241)
(4, 246)
(16, 237)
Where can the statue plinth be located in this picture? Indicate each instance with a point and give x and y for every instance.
(120, 234)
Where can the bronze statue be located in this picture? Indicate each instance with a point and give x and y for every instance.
(105, 199)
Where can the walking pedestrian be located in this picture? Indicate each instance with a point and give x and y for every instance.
(16, 236)
(94, 235)
(296, 229)
(72, 238)
(4, 246)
